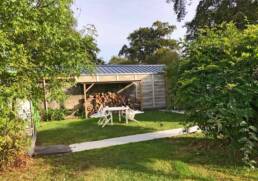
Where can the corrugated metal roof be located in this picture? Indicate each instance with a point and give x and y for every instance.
(127, 69)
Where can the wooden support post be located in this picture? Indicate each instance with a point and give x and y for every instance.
(85, 90)
(141, 95)
(89, 87)
(136, 90)
(153, 91)
(85, 100)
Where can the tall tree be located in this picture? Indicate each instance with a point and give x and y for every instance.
(119, 60)
(37, 40)
(163, 56)
(144, 42)
(43, 33)
(213, 12)
(90, 31)
(218, 85)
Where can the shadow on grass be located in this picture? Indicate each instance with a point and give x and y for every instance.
(85, 130)
(158, 116)
(167, 158)
(76, 131)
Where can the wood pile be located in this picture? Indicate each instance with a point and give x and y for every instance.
(111, 99)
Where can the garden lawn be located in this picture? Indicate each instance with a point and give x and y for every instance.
(75, 131)
(189, 157)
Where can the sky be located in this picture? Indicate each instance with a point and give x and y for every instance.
(116, 19)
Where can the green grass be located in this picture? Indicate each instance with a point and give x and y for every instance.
(189, 157)
(192, 157)
(75, 131)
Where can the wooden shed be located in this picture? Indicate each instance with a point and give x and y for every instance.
(147, 84)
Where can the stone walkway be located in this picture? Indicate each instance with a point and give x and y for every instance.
(90, 145)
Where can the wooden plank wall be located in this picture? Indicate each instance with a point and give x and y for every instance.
(152, 88)
(154, 91)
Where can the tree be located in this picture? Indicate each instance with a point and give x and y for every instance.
(37, 41)
(163, 56)
(144, 42)
(119, 60)
(213, 12)
(171, 59)
(90, 32)
(218, 84)
(179, 8)
(43, 33)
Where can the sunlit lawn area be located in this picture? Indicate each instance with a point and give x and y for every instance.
(74, 131)
(190, 157)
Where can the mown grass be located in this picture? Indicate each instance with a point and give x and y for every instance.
(75, 131)
(191, 157)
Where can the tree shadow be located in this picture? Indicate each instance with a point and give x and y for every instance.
(76, 131)
(87, 130)
(158, 116)
(142, 158)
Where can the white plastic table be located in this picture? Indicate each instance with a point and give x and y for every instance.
(119, 109)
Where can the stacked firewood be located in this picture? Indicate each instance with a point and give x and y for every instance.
(111, 99)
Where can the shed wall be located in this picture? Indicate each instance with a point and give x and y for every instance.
(154, 91)
(150, 89)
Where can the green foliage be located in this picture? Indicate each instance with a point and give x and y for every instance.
(36, 115)
(120, 60)
(172, 75)
(160, 56)
(37, 40)
(12, 141)
(55, 114)
(80, 112)
(218, 85)
(163, 56)
(210, 13)
(42, 43)
(144, 42)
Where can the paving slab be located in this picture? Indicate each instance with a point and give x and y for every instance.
(52, 149)
(90, 145)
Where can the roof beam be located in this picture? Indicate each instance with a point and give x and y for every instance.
(89, 87)
(126, 87)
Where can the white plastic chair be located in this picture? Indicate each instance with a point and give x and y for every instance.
(130, 114)
(104, 116)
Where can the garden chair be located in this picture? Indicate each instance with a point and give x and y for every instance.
(130, 114)
(104, 116)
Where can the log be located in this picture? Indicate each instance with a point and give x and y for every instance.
(112, 99)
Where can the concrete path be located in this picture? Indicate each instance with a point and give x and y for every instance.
(90, 145)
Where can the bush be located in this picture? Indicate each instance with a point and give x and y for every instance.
(12, 141)
(218, 84)
(80, 112)
(172, 78)
(55, 114)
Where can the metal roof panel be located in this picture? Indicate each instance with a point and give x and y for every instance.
(127, 69)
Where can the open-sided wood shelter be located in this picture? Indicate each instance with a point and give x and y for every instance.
(147, 84)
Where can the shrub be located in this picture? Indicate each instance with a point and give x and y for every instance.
(218, 84)
(12, 141)
(55, 114)
(172, 78)
(80, 112)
